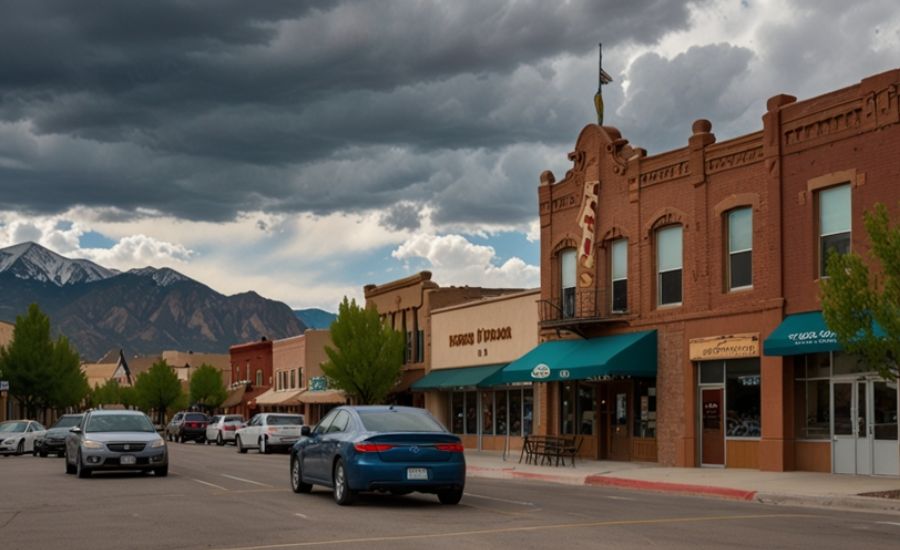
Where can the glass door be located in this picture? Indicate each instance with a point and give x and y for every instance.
(845, 428)
(712, 427)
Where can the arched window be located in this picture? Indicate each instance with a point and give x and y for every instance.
(567, 269)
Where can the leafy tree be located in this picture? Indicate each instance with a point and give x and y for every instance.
(158, 389)
(853, 298)
(26, 362)
(70, 386)
(107, 394)
(128, 396)
(207, 388)
(368, 355)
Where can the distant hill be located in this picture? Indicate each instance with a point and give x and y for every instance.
(144, 311)
(315, 318)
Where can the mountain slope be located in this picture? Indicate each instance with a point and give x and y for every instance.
(33, 262)
(315, 318)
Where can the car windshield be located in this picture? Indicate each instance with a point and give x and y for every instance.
(398, 421)
(67, 422)
(234, 420)
(195, 417)
(119, 423)
(13, 427)
(295, 420)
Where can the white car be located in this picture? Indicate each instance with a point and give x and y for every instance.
(223, 427)
(267, 431)
(17, 436)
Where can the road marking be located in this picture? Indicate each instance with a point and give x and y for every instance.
(236, 478)
(299, 515)
(620, 498)
(888, 523)
(519, 502)
(210, 484)
(611, 523)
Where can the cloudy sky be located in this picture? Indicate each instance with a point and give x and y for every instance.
(304, 149)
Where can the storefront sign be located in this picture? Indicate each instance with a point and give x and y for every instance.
(480, 336)
(540, 372)
(735, 346)
(318, 383)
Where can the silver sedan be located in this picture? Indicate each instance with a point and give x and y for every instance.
(115, 440)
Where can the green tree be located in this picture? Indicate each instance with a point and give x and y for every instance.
(26, 362)
(128, 397)
(853, 298)
(367, 357)
(107, 394)
(207, 388)
(158, 389)
(70, 386)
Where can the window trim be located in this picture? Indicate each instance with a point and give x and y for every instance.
(612, 279)
(562, 255)
(821, 256)
(730, 253)
(659, 272)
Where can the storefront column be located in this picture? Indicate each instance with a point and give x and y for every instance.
(687, 452)
(776, 449)
(545, 407)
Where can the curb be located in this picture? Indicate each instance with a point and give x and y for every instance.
(668, 487)
(511, 473)
(846, 502)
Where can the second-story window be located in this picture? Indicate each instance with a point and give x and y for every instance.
(668, 265)
(619, 272)
(740, 248)
(293, 379)
(567, 270)
(259, 378)
(834, 223)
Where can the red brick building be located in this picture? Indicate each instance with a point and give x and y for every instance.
(717, 248)
(251, 375)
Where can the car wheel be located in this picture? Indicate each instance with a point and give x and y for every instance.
(237, 443)
(297, 478)
(34, 450)
(202, 440)
(452, 496)
(181, 438)
(43, 453)
(220, 440)
(21, 448)
(162, 471)
(70, 469)
(79, 467)
(342, 493)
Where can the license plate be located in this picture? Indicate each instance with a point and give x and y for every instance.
(416, 473)
(127, 459)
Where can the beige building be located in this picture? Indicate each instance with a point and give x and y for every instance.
(184, 363)
(470, 343)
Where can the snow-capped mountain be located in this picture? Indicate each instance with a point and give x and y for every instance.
(34, 262)
(163, 276)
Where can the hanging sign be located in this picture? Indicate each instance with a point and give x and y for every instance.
(733, 346)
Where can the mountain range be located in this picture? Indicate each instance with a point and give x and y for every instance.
(144, 311)
(315, 317)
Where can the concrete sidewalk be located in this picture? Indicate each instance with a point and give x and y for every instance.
(788, 488)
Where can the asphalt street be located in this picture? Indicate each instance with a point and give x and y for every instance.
(217, 498)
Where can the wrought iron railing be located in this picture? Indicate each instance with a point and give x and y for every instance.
(578, 305)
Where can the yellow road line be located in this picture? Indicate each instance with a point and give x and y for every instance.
(518, 530)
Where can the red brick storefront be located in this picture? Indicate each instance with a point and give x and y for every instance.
(730, 296)
(251, 364)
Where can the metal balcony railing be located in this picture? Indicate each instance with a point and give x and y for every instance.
(578, 306)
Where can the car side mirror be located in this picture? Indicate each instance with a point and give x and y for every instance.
(305, 431)
(75, 430)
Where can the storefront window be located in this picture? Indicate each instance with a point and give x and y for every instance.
(527, 409)
(712, 372)
(500, 398)
(567, 409)
(645, 408)
(742, 398)
(818, 365)
(471, 413)
(585, 409)
(845, 363)
(515, 412)
(457, 413)
(577, 406)
(817, 424)
(487, 413)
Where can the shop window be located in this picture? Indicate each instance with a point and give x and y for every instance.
(471, 412)
(645, 408)
(487, 413)
(740, 248)
(577, 405)
(814, 405)
(742, 398)
(712, 372)
(502, 416)
(834, 223)
(567, 276)
(293, 379)
(457, 412)
(845, 363)
(585, 409)
(566, 408)
(619, 272)
(668, 265)
(515, 412)
(259, 377)
(527, 411)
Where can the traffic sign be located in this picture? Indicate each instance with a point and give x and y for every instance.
(4, 385)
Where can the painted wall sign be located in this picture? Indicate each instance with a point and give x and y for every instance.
(540, 372)
(734, 346)
(480, 336)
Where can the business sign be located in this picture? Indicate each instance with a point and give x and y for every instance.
(4, 385)
(734, 346)
(540, 372)
(318, 383)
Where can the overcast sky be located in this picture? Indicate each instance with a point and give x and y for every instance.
(304, 149)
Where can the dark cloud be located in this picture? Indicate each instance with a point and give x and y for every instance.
(205, 108)
(403, 216)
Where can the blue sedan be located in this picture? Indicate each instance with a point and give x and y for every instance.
(379, 448)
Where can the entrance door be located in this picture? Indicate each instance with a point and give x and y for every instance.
(864, 437)
(620, 430)
(712, 427)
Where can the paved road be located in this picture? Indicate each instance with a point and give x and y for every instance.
(216, 498)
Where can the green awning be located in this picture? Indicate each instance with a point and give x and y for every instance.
(465, 377)
(803, 333)
(632, 354)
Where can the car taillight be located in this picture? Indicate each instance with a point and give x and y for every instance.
(450, 447)
(229, 427)
(372, 447)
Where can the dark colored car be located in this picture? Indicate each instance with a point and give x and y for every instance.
(188, 426)
(54, 440)
(379, 448)
(115, 440)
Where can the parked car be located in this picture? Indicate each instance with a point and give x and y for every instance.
(18, 436)
(187, 426)
(269, 431)
(54, 440)
(379, 448)
(115, 440)
(222, 428)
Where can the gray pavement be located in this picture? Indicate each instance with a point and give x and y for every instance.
(794, 488)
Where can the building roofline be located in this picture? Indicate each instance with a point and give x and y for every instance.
(489, 299)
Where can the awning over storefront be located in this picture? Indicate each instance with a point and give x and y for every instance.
(235, 397)
(803, 333)
(283, 398)
(632, 354)
(327, 397)
(464, 377)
